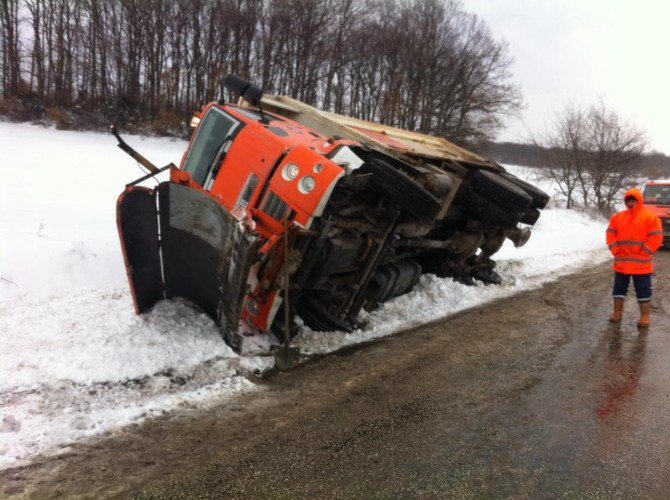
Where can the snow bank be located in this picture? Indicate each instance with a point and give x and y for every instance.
(75, 360)
(58, 200)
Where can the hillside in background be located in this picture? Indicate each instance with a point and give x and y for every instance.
(654, 164)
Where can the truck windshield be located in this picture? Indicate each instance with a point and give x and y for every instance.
(215, 128)
(657, 195)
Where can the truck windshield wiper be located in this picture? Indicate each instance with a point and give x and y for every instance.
(217, 159)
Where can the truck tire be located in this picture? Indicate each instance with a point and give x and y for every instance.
(530, 216)
(540, 198)
(318, 318)
(402, 189)
(500, 191)
(485, 210)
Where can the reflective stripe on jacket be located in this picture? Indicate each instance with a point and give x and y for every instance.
(633, 236)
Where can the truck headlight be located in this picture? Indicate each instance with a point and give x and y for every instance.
(290, 171)
(253, 307)
(307, 184)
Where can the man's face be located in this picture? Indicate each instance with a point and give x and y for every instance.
(631, 203)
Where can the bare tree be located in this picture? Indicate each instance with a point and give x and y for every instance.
(592, 154)
(616, 147)
(10, 39)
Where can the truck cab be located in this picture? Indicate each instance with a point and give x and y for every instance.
(262, 165)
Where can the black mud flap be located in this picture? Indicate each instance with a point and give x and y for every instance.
(137, 221)
(186, 245)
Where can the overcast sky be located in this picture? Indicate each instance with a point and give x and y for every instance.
(577, 51)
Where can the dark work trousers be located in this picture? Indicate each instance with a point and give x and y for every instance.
(642, 283)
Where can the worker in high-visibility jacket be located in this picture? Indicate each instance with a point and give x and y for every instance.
(633, 236)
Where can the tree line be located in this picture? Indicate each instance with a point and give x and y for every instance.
(424, 65)
(653, 164)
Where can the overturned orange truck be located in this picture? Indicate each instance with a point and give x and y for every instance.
(280, 210)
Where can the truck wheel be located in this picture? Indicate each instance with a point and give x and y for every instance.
(530, 216)
(485, 210)
(318, 318)
(500, 191)
(540, 198)
(402, 189)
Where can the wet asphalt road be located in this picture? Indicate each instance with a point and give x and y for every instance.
(533, 396)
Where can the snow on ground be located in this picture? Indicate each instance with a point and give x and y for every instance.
(58, 202)
(76, 361)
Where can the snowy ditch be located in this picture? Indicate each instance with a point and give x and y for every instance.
(75, 360)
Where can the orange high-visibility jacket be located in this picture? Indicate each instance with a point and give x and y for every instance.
(633, 236)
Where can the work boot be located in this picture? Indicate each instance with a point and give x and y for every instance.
(618, 310)
(645, 312)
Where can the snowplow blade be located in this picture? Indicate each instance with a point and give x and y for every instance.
(180, 242)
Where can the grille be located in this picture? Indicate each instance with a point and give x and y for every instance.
(274, 206)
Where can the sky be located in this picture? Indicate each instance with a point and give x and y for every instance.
(569, 51)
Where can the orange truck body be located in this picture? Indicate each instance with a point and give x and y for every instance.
(364, 209)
